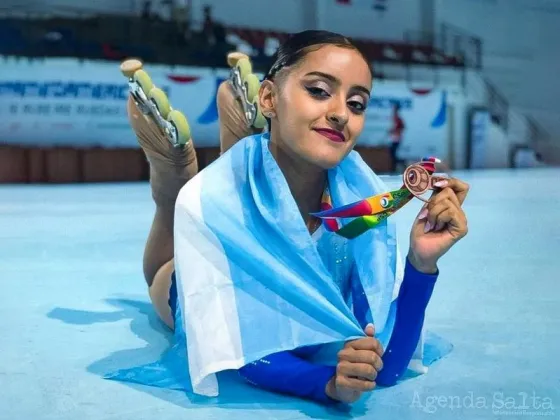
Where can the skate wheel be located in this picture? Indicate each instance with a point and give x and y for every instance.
(260, 121)
(131, 66)
(143, 80)
(159, 98)
(252, 85)
(234, 57)
(180, 123)
(244, 67)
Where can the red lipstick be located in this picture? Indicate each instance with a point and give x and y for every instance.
(332, 135)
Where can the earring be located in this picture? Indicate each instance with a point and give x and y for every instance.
(270, 114)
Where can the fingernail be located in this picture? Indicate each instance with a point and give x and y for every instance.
(428, 227)
(441, 184)
(423, 214)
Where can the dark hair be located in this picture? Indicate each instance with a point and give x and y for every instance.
(296, 47)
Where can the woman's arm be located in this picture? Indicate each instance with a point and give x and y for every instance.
(414, 296)
(287, 373)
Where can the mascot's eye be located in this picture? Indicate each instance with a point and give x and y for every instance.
(384, 202)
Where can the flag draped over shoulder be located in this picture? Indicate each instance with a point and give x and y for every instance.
(250, 279)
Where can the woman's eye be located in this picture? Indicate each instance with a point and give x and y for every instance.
(317, 92)
(357, 106)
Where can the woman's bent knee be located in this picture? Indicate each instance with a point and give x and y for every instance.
(159, 293)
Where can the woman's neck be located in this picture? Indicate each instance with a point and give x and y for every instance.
(306, 182)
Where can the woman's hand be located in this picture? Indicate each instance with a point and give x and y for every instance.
(358, 364)
(440, 224)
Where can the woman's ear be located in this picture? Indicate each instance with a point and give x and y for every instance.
(267, 98)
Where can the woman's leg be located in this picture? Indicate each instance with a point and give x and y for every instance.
(233, 124)
(170, 169)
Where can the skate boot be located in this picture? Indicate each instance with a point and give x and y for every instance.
(153, 102)
(246, 85)
(163, 134)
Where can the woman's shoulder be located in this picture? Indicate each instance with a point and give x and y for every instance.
(359, 175)
(355, 163)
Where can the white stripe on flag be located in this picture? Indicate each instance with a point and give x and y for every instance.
(206, 294)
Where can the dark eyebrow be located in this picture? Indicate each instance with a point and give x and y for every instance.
(335, 80)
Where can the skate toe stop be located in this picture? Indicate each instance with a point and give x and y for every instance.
(130, 66)
(234, 57)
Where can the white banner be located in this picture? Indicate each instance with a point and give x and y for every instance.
(65, 102)
(424, 113)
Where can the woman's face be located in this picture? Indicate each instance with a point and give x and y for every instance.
(319, 105)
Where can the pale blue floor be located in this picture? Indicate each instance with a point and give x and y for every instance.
(73, 306)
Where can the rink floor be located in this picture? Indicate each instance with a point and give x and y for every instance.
(74, 306)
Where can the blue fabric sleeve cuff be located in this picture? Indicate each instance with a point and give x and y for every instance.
(411, 274)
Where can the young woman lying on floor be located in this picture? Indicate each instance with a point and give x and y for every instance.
(260, 285)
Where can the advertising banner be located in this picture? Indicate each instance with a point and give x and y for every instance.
(67, 102)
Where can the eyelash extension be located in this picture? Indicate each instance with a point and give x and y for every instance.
(323, 94)
(316, 91)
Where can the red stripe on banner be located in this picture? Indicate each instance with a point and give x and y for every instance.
(183, 79)
(421, 91)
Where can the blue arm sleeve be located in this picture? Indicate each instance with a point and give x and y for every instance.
(289, 374)
(414, 296)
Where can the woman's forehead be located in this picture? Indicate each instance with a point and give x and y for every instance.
(346, 64)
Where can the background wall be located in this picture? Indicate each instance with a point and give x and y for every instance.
(520, 52)
(357, 19)
(519, 60)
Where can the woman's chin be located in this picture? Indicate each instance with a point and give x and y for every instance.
(328, 157)
(328, 161)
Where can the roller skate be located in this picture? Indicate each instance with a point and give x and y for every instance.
(246, 87)
(153, 102)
